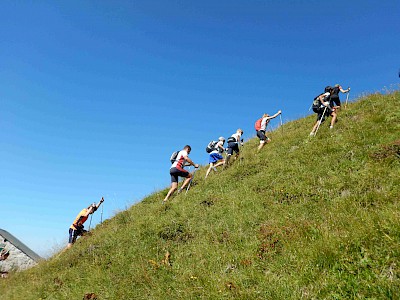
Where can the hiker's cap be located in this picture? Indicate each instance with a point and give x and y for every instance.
(221, 138)
(337, 85)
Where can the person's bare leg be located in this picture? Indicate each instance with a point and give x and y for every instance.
(314, 128)
(334, 117)
(228, 157)
(209, 169)
(174, 186)
(220, 163)
(186, 182)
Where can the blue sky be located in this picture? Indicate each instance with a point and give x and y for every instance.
(96, 95)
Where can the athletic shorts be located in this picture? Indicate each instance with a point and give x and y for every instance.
(73, 234)
(175, 173)
(261, 135)
(320, 113)
(233, 147)
(335, 100)
(214, 157)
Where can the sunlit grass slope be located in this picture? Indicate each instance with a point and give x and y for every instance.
(307, 218)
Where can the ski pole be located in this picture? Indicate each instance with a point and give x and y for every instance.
(320, 121)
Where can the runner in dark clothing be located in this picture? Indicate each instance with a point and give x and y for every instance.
(335, 100)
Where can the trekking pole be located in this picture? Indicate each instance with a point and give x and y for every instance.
(101, 215)
(190, 182)
(280, 116)
(320, 121)
(90, 222)
(347, 98)
(95, 208)
(240, 143)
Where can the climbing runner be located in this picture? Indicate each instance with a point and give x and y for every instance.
(233, 145)
(216, 159)
(261, 126)
(177, 170)
(77, 228)
(335, 100)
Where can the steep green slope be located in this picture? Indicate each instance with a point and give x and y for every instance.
(307, 218)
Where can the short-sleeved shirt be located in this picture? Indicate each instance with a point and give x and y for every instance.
(237, 136)
(264, 123)
(318, 103)
(326, 96)
(82, 214)
(217, 149)
(180, 160)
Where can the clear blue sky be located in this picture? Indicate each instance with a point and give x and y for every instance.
(95, 95)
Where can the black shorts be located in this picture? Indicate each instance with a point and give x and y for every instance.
(320, 113)
(233, 147)
(175, 173)
(261, 135)
(73, 234)
(335, 101)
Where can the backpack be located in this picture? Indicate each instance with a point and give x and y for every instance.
(231, 140)
(317, 103)
(257, 124)
(211, 146)
(174, 156)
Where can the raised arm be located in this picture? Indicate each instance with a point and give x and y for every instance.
(277, 114)
(98, 204)
(344, 91)
(274, 116)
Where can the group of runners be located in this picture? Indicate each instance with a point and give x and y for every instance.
(216, 159)
(324, 105)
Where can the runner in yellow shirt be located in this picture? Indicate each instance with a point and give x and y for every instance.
(77, 228)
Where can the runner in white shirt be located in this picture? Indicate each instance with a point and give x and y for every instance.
(177, 170)
(261, 133)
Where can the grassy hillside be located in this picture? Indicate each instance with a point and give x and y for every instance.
(307, 218)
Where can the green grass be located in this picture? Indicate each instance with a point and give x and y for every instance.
(306, 218)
